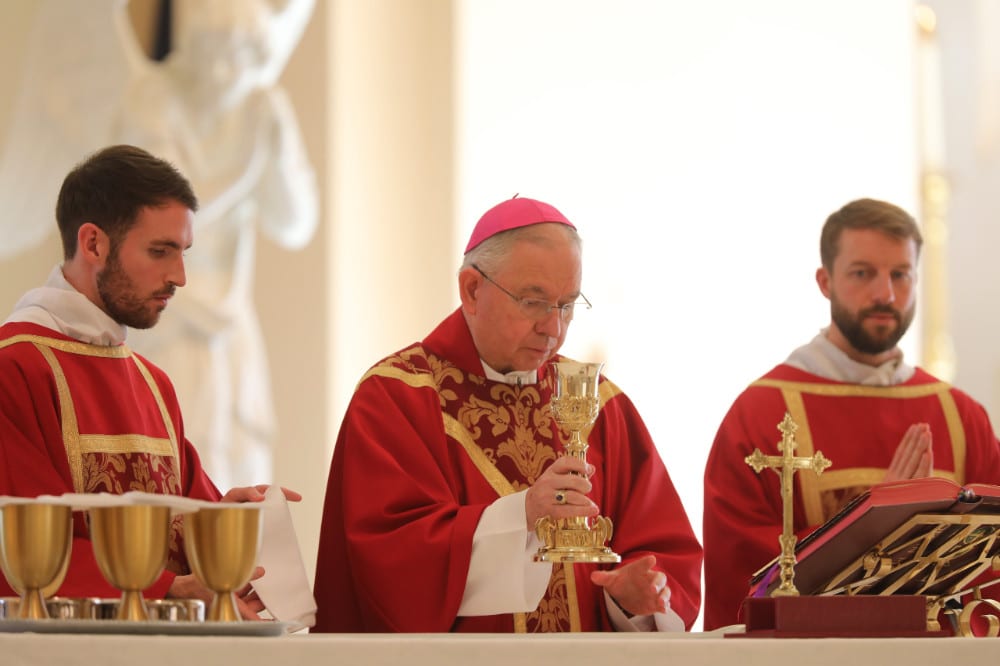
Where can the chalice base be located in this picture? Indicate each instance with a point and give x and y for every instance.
(574, 540)
(223, 608)
(588, 554)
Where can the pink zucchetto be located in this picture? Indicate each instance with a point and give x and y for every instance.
(512, 214)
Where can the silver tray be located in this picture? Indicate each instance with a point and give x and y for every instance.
(52, 626)
(93, 608)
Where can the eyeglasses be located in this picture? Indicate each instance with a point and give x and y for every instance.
(536, 309)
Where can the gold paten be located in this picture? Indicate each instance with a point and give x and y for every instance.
(221, 545)
(785, 466)
(131, 544)
(35, 543)
(575, 406)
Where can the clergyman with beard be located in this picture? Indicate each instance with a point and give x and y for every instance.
(852, 396)
(79, 411)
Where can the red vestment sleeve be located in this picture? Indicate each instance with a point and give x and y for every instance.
(398, 562)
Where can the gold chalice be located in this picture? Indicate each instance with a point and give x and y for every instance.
(221, 543)
(575, 406)
(35, 543)
(131, 543)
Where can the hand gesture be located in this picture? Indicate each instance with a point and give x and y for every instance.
(638, 587)
(914, 457)
(561, 492)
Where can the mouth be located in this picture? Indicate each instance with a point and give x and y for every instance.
(882, 316)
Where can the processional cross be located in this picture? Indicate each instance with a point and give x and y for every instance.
(785, 466)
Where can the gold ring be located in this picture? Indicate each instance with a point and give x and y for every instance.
(560, 497)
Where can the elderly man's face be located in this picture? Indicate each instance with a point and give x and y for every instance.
(505, 337)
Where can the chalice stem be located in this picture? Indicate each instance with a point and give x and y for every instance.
(132, 607)
(223, 608)
(33, 606)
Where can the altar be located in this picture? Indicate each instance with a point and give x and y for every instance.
(486, 650)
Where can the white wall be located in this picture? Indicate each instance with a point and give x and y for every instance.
(698, 146)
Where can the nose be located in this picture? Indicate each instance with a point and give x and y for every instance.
(177, 276)
(552, 324)
(883, 291)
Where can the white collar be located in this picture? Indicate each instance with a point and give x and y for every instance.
(515, 378)
(59, 306)
(822, 357)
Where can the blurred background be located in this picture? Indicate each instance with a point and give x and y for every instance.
(698, 147)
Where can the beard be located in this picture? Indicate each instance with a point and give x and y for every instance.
(121, 298)
(870, 342)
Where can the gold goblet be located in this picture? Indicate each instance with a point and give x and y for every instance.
(131, 543)
(35, 543)
(575, 406)
(221, 543)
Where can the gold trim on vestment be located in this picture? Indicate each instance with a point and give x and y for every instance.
(126, 444)
(70, 346)
(957, 432)
(416, 380)
(167, 422)
(76, 444)
(67, 415)
(496, 479)
(812, 502)
(812, 485)
(855, 390)
(571, 599)
(863, 477)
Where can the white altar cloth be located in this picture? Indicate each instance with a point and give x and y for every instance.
(486, 650)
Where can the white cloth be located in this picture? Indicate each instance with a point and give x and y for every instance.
(284, 588)
(59, 306)
(821, 357)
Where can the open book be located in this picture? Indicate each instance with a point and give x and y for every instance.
(928, 537)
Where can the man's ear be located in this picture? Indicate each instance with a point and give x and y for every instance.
(92, 244)
(469, 282)
(823, 280)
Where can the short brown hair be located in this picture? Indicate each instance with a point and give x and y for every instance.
(109, 189)
(866, 214)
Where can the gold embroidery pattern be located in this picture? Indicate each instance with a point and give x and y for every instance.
(515, 418)
(552, 614)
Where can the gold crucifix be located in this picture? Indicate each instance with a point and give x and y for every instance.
(785, 466)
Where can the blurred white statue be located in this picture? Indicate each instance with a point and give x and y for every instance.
(214, 110)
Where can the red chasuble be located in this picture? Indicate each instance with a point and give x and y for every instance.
(857, 427)
(84, 418)
(427, 443)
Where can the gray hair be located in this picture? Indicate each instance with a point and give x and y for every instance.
(493, 252)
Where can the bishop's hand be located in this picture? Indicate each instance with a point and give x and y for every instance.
(637, 587)
(561, 492)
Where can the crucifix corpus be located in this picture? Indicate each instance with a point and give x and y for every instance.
(785, 466)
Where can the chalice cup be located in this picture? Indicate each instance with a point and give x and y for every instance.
(131, 544)
(221, 543)
(35, 543)
(575, 405)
